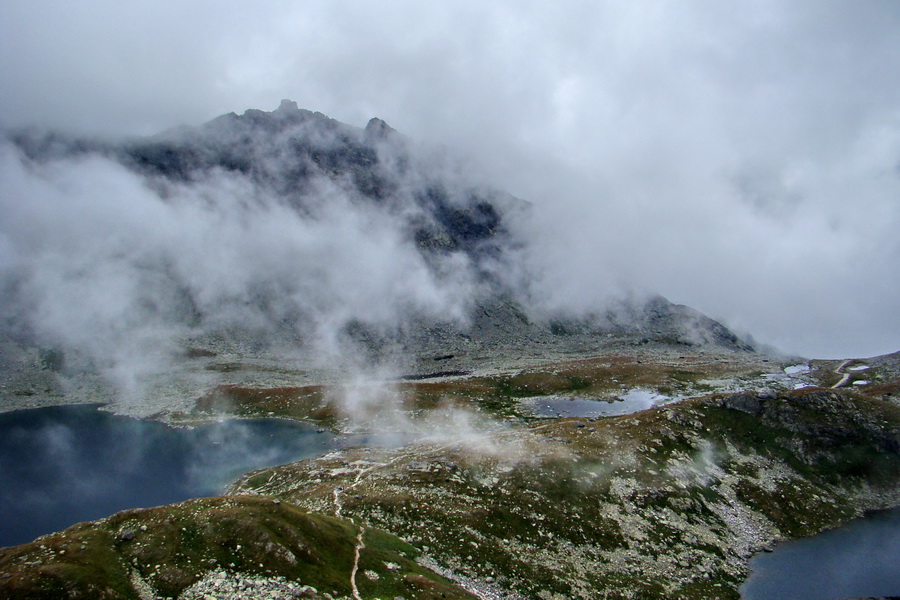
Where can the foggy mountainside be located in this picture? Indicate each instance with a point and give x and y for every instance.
(281, 230)
(295, 205)
(493, 444)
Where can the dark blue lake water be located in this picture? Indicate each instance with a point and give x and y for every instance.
(860, 559)
(66, 464)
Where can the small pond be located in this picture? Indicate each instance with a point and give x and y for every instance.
(789, 377)
(66, 464)
(634, 400)
(860, 559)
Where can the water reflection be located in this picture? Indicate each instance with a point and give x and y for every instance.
(634, 400)
(62, 465)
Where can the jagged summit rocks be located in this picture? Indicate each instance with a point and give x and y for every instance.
(286, 151)
(287, 106)
(378, 129)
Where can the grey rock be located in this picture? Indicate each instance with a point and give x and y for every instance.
(744, 402)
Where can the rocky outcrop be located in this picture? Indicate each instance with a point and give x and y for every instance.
(833, 418)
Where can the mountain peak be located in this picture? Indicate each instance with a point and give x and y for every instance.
(287, 106)
(378, 129)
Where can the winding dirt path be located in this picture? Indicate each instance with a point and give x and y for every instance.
(360, 546)
(360, 543)
(844, 376)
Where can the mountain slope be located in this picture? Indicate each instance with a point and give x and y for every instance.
(666, 503)
(287, 152)
(450, 245)
(234, 547)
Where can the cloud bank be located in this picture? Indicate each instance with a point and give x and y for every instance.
(127, 269)
(739, 158)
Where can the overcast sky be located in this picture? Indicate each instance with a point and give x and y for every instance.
(740, 157)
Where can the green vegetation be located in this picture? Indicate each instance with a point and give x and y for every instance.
(679, 494)
(171, 547)
(308, 403)
(499, 395)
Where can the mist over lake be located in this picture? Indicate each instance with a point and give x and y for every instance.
(65, 464)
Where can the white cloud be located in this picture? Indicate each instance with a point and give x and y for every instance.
(739, 157)
(109, 266)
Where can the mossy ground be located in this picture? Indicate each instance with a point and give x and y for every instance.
(668, 502)
(499, 395)
(171, 547)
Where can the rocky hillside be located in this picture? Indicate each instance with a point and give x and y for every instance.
(670, 502)
(221, 548)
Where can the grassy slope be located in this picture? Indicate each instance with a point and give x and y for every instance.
(173, 546)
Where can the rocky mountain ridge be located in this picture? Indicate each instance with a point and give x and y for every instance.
(287, 151)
